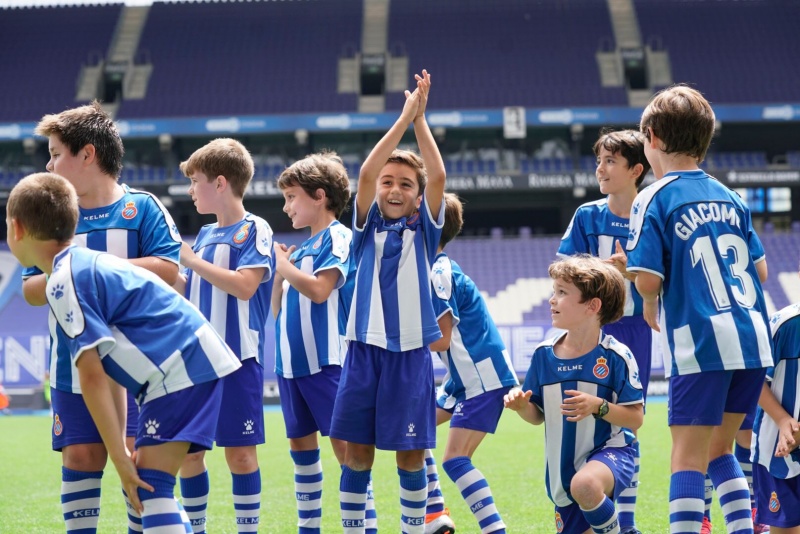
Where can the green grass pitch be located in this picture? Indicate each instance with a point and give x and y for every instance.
(512, 460)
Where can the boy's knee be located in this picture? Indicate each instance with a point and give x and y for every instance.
(241, 460)
(586, 490)
(411, 460)
(86, 457)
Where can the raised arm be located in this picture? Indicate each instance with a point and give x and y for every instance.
(371, 168)
(428, 149)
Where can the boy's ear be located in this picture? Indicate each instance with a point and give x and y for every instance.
(636, 170)
(18, 229)
(222, 183)
(595, 304)
(89, 152)
(319, 194)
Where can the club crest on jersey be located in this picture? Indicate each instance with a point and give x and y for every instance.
(317, 243)
(58, 428)
(600, 370)
(241, 235)
(774, 503)
(559, 523)
(129, 211)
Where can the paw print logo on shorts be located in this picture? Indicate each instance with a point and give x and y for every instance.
(69, 317)
(248, 425)
(410, 427)
(151, 427)
(458, 407)
(58, 291)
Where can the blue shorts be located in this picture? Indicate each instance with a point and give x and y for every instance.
(307, 401)
(700, 399)
(777, 499)
(73, 424)
(188, 415)
(749, 419)
(636, 334)
(241, 414)
(620, 460)
(481, 413)
(386, 399)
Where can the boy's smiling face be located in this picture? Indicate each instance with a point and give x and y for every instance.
(613, 172)
(398, 193)
(300, 207)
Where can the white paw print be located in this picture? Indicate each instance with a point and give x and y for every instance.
(248, 425)
(411, 427)
(152, 426)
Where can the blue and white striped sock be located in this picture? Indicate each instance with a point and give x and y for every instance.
(603, 517)
(371, 514)
(162, 512)
(733, 493)
(80, 500)
(435, 497)
(247, 500)
(709, 498)
(308, 490)
(134, 519)
(686, 502)
(413, 496)
(194, 494)
(353, 499)
(626, 502)
(743, 457)
(476, 491)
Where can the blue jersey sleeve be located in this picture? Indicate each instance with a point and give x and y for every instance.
(335, 252)
(531, 382)
(360, 234)
(257, 250)
(159, 235)
(442, 283)
(431, 227)
(575, 240)
(646, 240)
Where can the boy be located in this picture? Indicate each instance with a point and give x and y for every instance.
(229, 278)
(692, 245)
(85, 148)
(600, 228)
(386, 394)
(124, 327)
(479, 374)
(776, 461)
(310, 300)
(573, 377)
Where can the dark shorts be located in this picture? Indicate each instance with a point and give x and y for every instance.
(777, 499)
(241, 414)
(73, 424)
(307, 402)
(700, 399)
(637, 335)
(481, 413)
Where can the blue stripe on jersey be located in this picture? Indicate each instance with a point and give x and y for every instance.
(149, 338)
(477, 360)
(697, 235)
(135, 226)
(594, 230)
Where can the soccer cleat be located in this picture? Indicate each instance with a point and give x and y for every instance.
(706, 528)
(758, 528)
(439, 523)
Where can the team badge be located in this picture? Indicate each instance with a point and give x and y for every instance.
(317, 243)
(241, 235)
(58, 428)
(129, 211)
(559, 523)
(600, 369)
(774, 503)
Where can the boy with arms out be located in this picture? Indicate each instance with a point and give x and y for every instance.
(600, 228)
(310, 300)
(229, 278)
(587, 394)
(386, 394)
(85, 148)
(479, 374)
(692, 246)
(124, 327)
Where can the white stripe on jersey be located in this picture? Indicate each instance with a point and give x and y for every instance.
(763, 336)
(407, 298)
(117, 242)
(488, 374)
(80, 240)
(584, 435)
(551, 396)
(730, 348)
(309, 343)
(284, 339)
(213, 344)
(218, 314)
(376, 318)
(684, 348)
(465, 368)
(139, 367)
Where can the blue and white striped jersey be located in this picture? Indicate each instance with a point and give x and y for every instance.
(609, 372)
(244, 245)
(477, 360)
(308, 335)
(784, 381)
(697, 236)
(594, 229)
(392, 305)
(150, 339)
(135, 226)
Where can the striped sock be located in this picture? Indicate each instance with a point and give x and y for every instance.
(413, 496)
(685, 502)
(80, 500)
(476, 491)
(194, 494)
(247, 500)
(603, 517)
(743, 457)
(435, 497)
(709, 497)
(371, 515)
(162, 512)
(627, 499)
(734, 496)
(353, 499)
(308, 490)
(134, 519)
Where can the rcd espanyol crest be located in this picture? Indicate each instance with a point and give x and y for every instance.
(129, 211)
(600, 370)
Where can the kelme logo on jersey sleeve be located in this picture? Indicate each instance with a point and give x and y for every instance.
(600, 370)
(241, 235)
(129, 211)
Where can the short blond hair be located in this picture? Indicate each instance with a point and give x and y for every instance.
(46, 205)
(323, 170)
(594, 279)
(222, 157)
